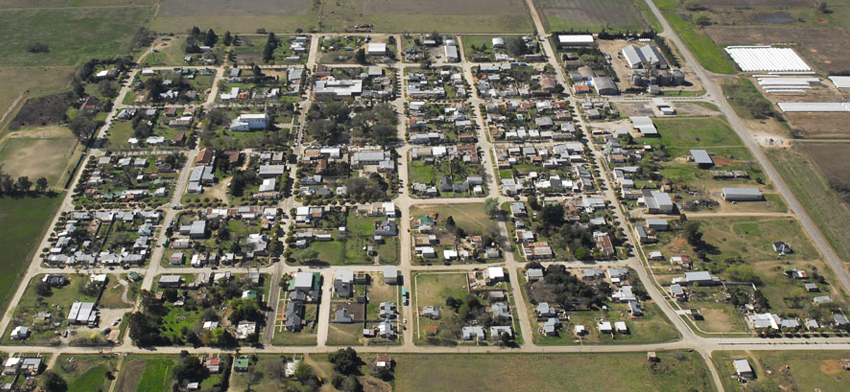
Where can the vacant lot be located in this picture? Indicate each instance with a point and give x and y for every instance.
(710, 133)
(40, 152)
(42, 111)
(146, 373)
(469, 217)
(676, 371)
(444, 16)
(751, 238)
(807, 370)
(594, 15)
(822, 204)
(22, 83)
(23, 222)
(72, 35)
(86, 373)
(823, 45)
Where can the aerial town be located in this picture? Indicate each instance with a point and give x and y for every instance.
(497, 195)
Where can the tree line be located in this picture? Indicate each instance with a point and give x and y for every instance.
(10, 185)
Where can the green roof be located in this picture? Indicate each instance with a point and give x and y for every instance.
(242, 362)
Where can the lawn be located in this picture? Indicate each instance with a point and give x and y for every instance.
(85, 373)
(351, 250)
(432, 289)
(469, 217)
(807, 370)
(72, 35)
(112, 294)
(49, 152)
(23, 222)
(676, 371)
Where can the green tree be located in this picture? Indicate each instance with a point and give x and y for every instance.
(360, 56)
(346, 361)
(53, 382)
(491, 207)
(228, 39)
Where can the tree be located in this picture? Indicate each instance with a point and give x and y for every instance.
(822, 7)
(533, 203)
(53, 382)
(306, 255)
(491, 207)
(693, 5)
(516, 46)
(107, 89)
(82, 128)
(228, 39)
(692, 233)
(190, 368)
(24, 184)
(43, 289)
(41, 185)
(345, 361)
(210, 38)
(552, 215)
(702, 19)
(360, 56)
(38, 47)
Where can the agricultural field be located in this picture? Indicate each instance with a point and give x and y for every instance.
(785, 370)
(675, 371)
(825, 206)
(437, 15)
(49, 152)
(85, 373)
(710, 55)
(593, 15)
(72, 35)
(821, 45)
(23, 222)
(243, 17)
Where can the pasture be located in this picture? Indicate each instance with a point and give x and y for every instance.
(40, 152)
(829, 212)
(676, 371)
(23, 222)
(72, 35)
(807, 370)
(593, 15)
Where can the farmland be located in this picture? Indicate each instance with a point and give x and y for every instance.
(72, 35)
(23, 221)
(677, 370)
(821, 44)
(807, 370)
(435, 15)
(240, 17)
(709, 54)
(594, 15)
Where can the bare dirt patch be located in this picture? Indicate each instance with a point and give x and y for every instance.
(822, 125)
(131, 374)
(826, 46)
(42, 111)
(716, 320)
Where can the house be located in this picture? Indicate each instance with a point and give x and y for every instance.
(781, 248)
(604, 327)
(497, 331)
(811, 287)
(703, 278)
(431, 312)
(213, 365)
(624, 294)
(472, 333)
(170, 281)
(741, 194)
(677, 292)
(390, 275)
(342, 317)
(841, 320)
(241, 364)
(20, 333)
(495, 275)
(743, 369)
(11, 366)
(620, 327)
(31, 366)
(763, 321)
(376, 49)
(518, 209)
(534, 274)
(543, 310)
(501, 311)
(657, 224)
(344, 283)
(249, 122)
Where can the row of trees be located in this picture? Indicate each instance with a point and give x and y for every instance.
(22, 185)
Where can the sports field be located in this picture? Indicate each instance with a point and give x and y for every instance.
(40, 152)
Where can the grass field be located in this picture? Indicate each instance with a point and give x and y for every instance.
(807, 370)
(676, 371)
(149, 373)
(73, 35)
(822, 204)
(86, 373)
(176, 16)
(48, 152)
(593, 15)
(751, 238)
(469, 217)
(710, 133)
(23, 222)
(710, 55)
